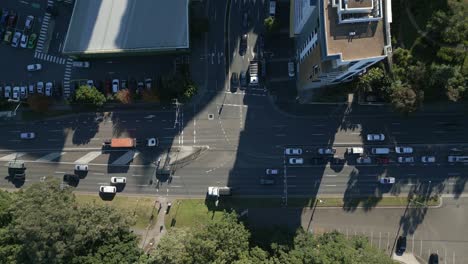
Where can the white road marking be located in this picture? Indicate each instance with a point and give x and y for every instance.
(137, 175)
(12, 156)
(60, 172)
(330, 175)
(88, 157)
(98, 173)
(330, 185)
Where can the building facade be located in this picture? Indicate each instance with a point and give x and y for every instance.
(337, 40)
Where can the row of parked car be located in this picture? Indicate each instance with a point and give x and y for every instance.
(13, 36)
(113, 86)
(22, 92)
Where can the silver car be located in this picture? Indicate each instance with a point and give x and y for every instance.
(428, 159)
(375, 137)
(405, 159)
(364, 160)
(296, 161)
(293, 151)
(403, 150)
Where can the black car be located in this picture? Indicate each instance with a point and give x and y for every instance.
(434, 259)
(243, 45)
(4, 17)
(401, 245)
(71, 179)
(245, 20)
(243, 79)
(234, 82)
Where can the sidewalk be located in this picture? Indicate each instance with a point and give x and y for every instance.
(150, 239)
(406, 258)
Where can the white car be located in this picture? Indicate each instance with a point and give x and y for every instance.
(90, 83)
(16, 92)
(364, 160)
(375, 137)
(29, 22)
(428, 159)
(291, 71)
(24, 41)
(40, 87)
(118, 180)
(404, 150)
(387, 180)
(27, 135)
(272, 171)
(115, 85)
(296, 161)
(31, 88)
(81, 167)
(405, 159)
(81, 64)
(108, 189)
(293, 151)
(152, 142)
(34, 67)
(7, 91)
(48, 89)
(16, 39)
(23, 92)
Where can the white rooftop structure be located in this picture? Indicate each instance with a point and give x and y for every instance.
(113, 26)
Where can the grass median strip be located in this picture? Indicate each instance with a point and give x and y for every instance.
(193, 212)
(141, 208)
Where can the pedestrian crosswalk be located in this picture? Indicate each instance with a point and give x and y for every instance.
(67, 78)
(43, 33)
(119, 159)
(50, 3)
(68, 1)
(50, 58)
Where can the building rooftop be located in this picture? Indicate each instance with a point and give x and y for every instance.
(359, 3)
(352, 40)
(110, 26)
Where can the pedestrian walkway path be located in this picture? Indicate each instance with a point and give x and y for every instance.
(67, 77)
(43, 33)
(49, 58)
(406, 258)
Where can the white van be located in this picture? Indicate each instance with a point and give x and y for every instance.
(355, 150)
(380, 151)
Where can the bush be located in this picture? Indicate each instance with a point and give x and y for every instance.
(89, 96)
(270, 24)
(124, 96)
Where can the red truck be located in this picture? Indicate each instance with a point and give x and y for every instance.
(128, 142)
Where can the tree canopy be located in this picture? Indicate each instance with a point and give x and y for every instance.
(89, 96)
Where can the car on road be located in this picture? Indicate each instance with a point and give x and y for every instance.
(326, 151)
(272, 171)
(31, 88)
(32, 41)
(428, 159)
(387, 180)
(118, 180)
(296, 161)
(433, 258)
(243, 79)
(115, 85)
(234, 82)
(382, 160)
(24, 41)
(81, 167)
(16, 39)
(7, 37)
(403, 150)
(16, 92)
(405, 159)
(268, 179)
(293, 151)
(48, 89)
(81, 64)
(401, 245)
(375, 137)
(291, 71)
(107, 189)
(243, 45)
(27, 135)
(40, 87)
(71, 179)
(364, 160)
(28, 24)
(34, 67)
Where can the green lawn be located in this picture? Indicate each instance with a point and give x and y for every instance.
(139, 207)
(193, 212)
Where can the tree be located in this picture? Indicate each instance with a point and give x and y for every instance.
(48, 226)
(89, 96)
(39, 103)
(190, 90)
(375, 80)
(270, 24)
(403, 98)
(124, 96)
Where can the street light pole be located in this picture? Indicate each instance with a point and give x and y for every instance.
(16, 108)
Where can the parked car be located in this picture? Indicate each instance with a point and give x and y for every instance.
(364, 160)
(428, 159)
(28, 24)
(7, 92)
(234, 82)
(16, 39)
(296, 161)
(24, 41)
(115, 85)
(23, 92)
(387, 180)
(118, 180)
(375, 137)
(32, 41)
(34, 67)
(405, 159)
(272, 171)
(243, 79)
(148, 83)
(7, 37)
(107, 189)
(293, 151)
(4, 17)
(140, 87)
(27, 135)
(243, 45)
(31, 88)
(326, 151)
(123, 84)
(291, 71)
(48, 89)
(401, 245)
(16, 92)
(403, 150)
(40, 87)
